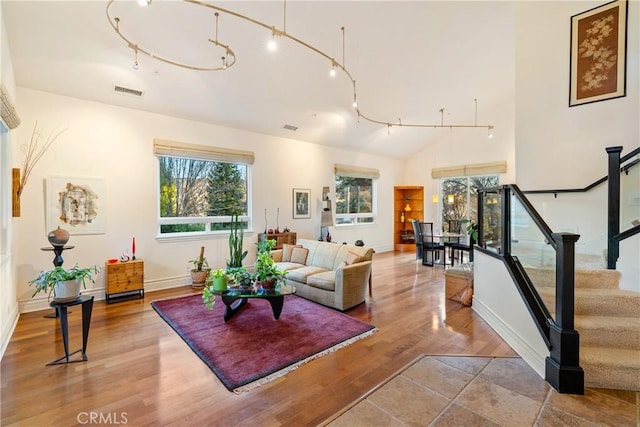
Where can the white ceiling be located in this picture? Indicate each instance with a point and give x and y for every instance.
(409, 59)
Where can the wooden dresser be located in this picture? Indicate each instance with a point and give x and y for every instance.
(280, 238)
(124, 280)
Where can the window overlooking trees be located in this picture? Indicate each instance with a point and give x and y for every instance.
(200, 196)
(460, 197)
(354, 200)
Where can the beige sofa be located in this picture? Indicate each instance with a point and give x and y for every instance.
(330, 274)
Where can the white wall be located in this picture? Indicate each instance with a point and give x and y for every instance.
(8, 302)
(558, 146)
(115, 144)
(459, 146)
(496, 299)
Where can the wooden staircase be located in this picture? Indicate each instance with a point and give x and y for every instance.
(608, 321)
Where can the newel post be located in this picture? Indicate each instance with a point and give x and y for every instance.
(613, 206)
(562, 370)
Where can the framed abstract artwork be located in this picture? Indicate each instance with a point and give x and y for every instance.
(598, 54)
(301, 198)
(76, 204)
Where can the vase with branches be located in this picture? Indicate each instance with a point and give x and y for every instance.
(34, 152)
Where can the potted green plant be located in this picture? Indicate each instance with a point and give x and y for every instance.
(266, 271)
(64, 283)
(200, 270)
(236, 241)
(220, 278)
(240, 276)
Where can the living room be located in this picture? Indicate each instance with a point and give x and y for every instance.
(533, 126)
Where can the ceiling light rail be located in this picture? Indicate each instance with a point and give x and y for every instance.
(230, 59)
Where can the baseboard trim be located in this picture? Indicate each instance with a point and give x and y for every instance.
(523, 348)
(7, 334)
(41, 302)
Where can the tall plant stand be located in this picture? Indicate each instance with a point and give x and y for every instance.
(57, 262)
(61, 308)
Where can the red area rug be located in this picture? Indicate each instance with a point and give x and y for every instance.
(253, 348)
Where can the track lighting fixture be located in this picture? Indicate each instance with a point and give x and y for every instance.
(135, 63)
(230, 59)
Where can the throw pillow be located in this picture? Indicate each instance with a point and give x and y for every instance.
(299, 255)
(352, 258)
(286, 251)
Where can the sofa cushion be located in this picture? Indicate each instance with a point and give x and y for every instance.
(287, 250)
(365, 253)
(301, 274)
(288, 266)
(326, 280)
(299, 255)
(352, 258)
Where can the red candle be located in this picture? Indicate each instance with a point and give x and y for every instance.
(133, 248)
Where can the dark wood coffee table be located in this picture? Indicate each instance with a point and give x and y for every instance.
(236, 298)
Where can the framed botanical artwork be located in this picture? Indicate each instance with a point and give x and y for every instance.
(301, 198)
(598, 54)
(76, 204)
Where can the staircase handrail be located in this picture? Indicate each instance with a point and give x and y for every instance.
(627, 233)
(623, 169)
(562, 369)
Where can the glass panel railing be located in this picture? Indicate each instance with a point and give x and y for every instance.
(629, 198)
(536, 255)
(492, 222)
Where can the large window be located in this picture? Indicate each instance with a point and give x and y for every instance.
(355, 195)
(460, 197)
(198, 193)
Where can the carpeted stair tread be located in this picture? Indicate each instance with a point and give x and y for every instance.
(599, 302)
(584, 278)
(607, 331)
(617, 369)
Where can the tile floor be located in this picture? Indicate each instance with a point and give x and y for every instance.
(484, 391)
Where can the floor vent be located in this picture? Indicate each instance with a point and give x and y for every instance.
(127, 91)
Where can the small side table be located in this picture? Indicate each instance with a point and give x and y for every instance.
(61, 310)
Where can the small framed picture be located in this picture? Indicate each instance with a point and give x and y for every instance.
(598, 54)
(301, 199)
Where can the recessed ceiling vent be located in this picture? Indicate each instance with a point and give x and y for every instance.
(127, 91)
(291, 127)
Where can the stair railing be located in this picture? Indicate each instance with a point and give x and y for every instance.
(616, 166)
(495, 207)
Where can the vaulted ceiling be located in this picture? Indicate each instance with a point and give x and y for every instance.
(409, 60)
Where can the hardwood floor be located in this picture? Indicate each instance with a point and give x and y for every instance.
(140, 372)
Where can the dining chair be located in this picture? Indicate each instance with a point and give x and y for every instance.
(431, 245)
(462, 247)
(455, 226)
(417, 235)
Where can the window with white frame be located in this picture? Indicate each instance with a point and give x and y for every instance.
(460, 197)
(459, 189)
(201, 188)
(355, 194)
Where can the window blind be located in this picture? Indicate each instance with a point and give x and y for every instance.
(491, 168)
(356, 171)
(162, 147)
(7, 110)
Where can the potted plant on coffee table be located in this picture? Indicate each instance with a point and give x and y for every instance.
(219, 279)
(200, 270)
(64, 283)
(265, 271)
(236, 242)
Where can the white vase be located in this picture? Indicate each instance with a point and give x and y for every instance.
(67, 291)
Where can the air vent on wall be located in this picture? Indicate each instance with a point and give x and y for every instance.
(290, 127)
(127, 91)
